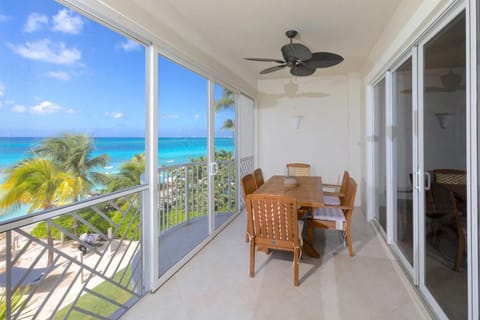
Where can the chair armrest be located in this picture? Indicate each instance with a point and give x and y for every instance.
(340, 207)
(337, 194)
(329, 185)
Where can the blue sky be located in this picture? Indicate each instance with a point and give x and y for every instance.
(61, 72)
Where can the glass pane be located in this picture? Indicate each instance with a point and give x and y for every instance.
(225, 179)
(445, 167)
(402, 155)
(380, 155)
(72, 101)
(182, 160)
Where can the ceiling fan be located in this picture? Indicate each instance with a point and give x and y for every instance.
(300, 60)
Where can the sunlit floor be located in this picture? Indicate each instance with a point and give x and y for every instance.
(215, 283)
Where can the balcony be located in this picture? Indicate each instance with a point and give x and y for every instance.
(104, 278)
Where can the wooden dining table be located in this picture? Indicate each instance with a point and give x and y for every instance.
(308, 191)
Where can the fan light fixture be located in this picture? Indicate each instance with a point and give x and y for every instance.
(296, 119)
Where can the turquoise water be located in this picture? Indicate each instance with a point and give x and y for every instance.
(171, 151)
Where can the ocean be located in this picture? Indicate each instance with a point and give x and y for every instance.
(171, 151)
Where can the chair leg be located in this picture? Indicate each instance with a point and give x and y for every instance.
(349, 240)
(296, 258)
(460, 250)
(252, 258)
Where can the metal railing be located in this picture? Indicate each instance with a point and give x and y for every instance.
(184, 192)
(83, 260)
(246, 166)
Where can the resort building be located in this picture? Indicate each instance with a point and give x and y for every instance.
(144, 115)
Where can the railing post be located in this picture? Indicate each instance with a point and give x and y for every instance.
(229, 181)
(187, 194)
(8, 282)
(109, 234)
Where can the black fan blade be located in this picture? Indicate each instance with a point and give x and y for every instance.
(302, 70)
(295, 51)
(324, 60)
(265, 60)
(272, 69)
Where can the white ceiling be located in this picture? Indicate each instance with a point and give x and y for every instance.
(233, 29)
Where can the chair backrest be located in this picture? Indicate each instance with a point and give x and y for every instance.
(349, 200)
(248, 186)
(345, 181)
(274, 220)
(450, 176)
(258, 175)
(298, 169)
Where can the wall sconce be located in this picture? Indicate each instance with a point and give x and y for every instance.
(296, 121)
(444, 118)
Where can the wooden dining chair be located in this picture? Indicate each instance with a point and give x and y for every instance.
(336, 217)
(258, 175)
(298, 169)
(274, 226)
(454, 177)
(333, 198)
(248, 187)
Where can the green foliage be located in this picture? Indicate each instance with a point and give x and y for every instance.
(129, 174)
(17, 301)
(68, 223)
(226, 101)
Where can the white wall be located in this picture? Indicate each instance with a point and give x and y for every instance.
(330, 134)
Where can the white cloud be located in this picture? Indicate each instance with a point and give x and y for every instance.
(19, 108)
(45, 107)
(196, 116)
(48, 51)
(129, 45)
(35, 21)
(2, 90)
(114, 115)
(169, 116)
(59, 75)
(4, 18)
(67, 21)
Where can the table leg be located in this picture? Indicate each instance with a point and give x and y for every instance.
(308, 241)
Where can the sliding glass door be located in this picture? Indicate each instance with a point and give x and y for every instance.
(182, 160)
(379, 159)
(224, 124)
(443, 168)
(402, 142)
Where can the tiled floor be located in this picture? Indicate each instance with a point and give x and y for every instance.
(215, 283)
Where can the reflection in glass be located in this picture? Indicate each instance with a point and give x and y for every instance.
(445, 165)
(402, 150)
(380, 155)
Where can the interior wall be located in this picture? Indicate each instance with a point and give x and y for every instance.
(330, 133)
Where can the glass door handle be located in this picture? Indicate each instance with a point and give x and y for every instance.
(428, 180)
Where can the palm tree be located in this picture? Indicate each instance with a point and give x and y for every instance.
(41, 184)
(73, 152)
(129, 174)
(226, 102)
